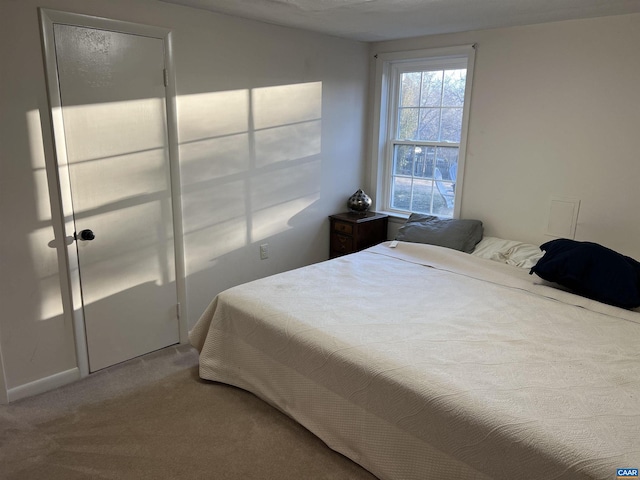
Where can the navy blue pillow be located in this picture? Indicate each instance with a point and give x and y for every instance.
(592, 271)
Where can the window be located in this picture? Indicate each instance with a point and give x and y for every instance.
(422, 131)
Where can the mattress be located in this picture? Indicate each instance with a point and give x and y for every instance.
(421, 362)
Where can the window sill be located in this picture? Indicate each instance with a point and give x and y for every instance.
(395, 217)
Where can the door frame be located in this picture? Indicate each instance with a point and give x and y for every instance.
(67, 252)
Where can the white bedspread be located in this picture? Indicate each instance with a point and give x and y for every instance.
(422, 362)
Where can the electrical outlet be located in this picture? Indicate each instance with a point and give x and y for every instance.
(264, 251)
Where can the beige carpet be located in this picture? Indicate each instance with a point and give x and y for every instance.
(153, 418)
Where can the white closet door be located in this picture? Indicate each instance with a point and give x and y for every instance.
(113, 107)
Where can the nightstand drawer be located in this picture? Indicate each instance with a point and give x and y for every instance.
(352, 232)
(341, 243)
(343, 227)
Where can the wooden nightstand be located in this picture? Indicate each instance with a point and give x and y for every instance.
(351, 232)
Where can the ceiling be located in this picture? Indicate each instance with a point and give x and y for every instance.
(376, 20)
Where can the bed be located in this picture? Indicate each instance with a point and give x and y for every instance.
(424, 362)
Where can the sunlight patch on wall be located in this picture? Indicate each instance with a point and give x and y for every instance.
(274, 220)
(215, 154)
(214, 221)
(286, 104)
(206, 205)
(214, 158)
(287, 143)
(213, 114)
(206, 245)
(41, 193)
(213, 131)
(278, 197)
(287, 122)
(249, 162)
(45, 272)
(44, 256)
(36, 150)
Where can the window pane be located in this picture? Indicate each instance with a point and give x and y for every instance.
(429, 124)
(443, 201)
(431, 95)
(403, 159)
(451, 125)
(407, 123)
(422, 192)
(448, 162)
(401, 193)
(423, 161)
(410, 89)
(454, 83)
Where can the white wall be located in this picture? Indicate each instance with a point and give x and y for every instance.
(555, 110)
(271, 125)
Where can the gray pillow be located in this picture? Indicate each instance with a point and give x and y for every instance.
(460, 235)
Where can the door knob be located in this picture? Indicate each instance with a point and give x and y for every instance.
(86, 235)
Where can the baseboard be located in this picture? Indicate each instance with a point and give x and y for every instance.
(43, 385)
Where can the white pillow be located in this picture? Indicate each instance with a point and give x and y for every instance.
(510, 252)
(493, 248)
(524, 255)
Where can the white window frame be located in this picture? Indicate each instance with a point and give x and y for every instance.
(385, 109)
